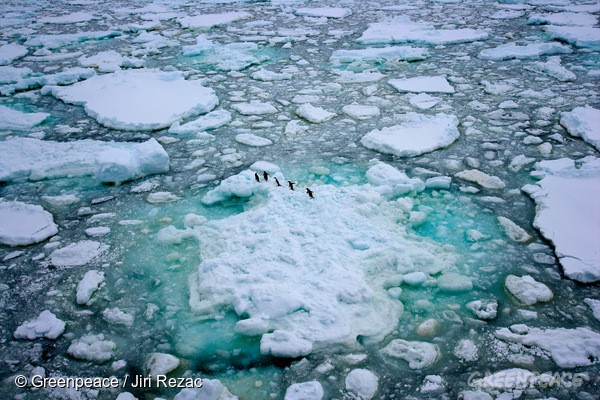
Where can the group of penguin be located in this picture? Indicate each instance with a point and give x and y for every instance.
(290, 183)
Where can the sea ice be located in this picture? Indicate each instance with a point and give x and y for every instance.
(481, 178)
(424, 101)
(360, 111)
(88, 285)
(252, 140)
(583, 122)
(514, 231)
(552, 68)
(328, 12)
(53, 42)
(313, 114)
(378, 55)
(529, 51)
(418, 355)
(362, 383)
(527, 290)
(213, 120)
(11, 52)
(10, 74)
(72, 18)
(225, 57)
(46, 325)
(22, 224)
(110, 61)
(139, 99)
(566, 197)
(422, 84)
(254, 108)
(416, 135)
(311, 390)
(580, 36)
(563, 18)
(92, 348)
(117, 316)
(78, 253)
(207, 21)
(160, 364)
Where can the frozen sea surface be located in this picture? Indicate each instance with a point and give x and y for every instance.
(301, 200)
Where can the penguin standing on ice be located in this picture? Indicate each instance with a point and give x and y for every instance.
(256, 177)
(291, 185)
(265, 176)
(310, 193)
(277, 181)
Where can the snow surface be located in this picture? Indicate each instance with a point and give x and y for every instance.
(566, 197)
(583, 122)
(403, 30)
(46, 325)
(34, 159)
(128, 99)
(422, 84)
(23, 224)
(417, 134)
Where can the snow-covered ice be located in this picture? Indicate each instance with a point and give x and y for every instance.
(11, 52)
(313, 114)
(311, 390)
(92, 347)
(527, 290)
(583, 122)
(328, 12)
(22, 224)
(207, 21)
(362, 383)
(418, 355)
(11, 119)
(213, 120)
(46, 325)
(76, 254)
(523, 52)
(88, 285)
(422, 84)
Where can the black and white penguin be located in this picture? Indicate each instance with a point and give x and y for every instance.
(265, 176)
(277, 181)
(256, 177)
(310, 193)
(291, 185)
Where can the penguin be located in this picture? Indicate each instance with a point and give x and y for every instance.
(265, 176)
(256, 177)
(291, 185)
(277, 181)
(310, 193)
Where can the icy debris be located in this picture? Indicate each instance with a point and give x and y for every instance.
(252, 140)
(207, 21)
(403, 30)
(78, 253)
(116, 316)
(484, 309)
(212, 120)
(53, 42)
(128, 99)
(429, 327)
(328, 12)
(11, 119)
(567, 197)
(422, 84)
(583, 122)
(580, 36)
(453, 282)
(313, 114)
(120, 164)
(595, 306)
(92, 348)
(362, 383)
(161, 197)
(46, 325)
(378, 55)
(569, 348)
(160, 364)
(23, 224)
(110, 61)
(304, 391)
(481, 178)
(419, 355)
(466, 350)
(424, 101)
(11, 52)
(417, 134)
(281, 343)
(254, 108)
(432, 384)
(553, 68)
(529, 51)
(514, 231)
(360, 111)
(527, 290)
(88, 285)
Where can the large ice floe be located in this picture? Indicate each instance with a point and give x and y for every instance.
(301, 278)
(110, 162)
(523, 52)
(403, 30)
(417, 134)
(22, 224)
(567, 196)
(583, 122)
(139, 99)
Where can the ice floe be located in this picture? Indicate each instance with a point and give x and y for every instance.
(527, 290)
(422, 84)
(418, 355)
(254, 108)
(226, 57)
(129, 99)
(110, 61)
(207, 21)
(362, 383)
(46, 325)
(213, 120)
(580, 36)
(76, 254)
(88, 285)
(378, 55)
(11, 52)
(22, 224)
(523, 52)
(72, 18)
(417, 134)
(313, 114)
(92, 347)
(328, 12)
(53, 42)
(583, 122)
(160, 364)
(311, 390)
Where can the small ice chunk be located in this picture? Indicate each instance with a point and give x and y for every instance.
(207, 21)
(529, 51)
(62, 200)
(304, 391)
(362, 383)
(281, 343)
(432, 384)
(313, 114)
(160, 364)
(514, 231)
(78, 253)
(212, 120)
(97, 231)
(484, 309)
(252, 326)
(527, 290)
(422, 84)
(14, 120)
(117, 317)
(161, 197)
(466, 350)
(23, 224)
(453, 282)
(254, 108)
(46, 325)
(481, 178)
(416, 278)
(88, 285)
(360, 111)
(424, 101)
(595, 306)
(419, 355)
(328, 12)
(252, 140)
(92, 348)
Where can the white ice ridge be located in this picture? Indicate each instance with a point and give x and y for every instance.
(207, 21)
(328, 12)
(313, 272)
(422, 84)
(22, 224)
(417, 134)
(378, 55)
(568, 213)
(139, 99)
(403, 30)
(583, 122)
(34, 159)
(528, 51)
(11, 119)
